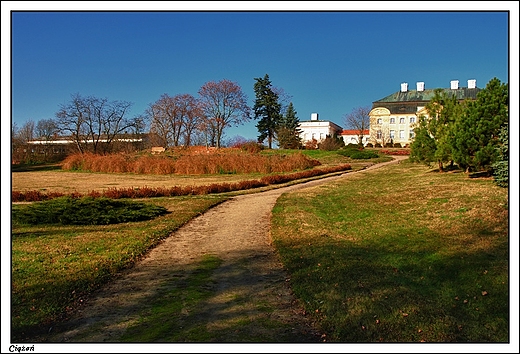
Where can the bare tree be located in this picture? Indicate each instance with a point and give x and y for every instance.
(359, 120)
(26, 132)
(223, 104)
(380, 134)
(164, 122)
(191, 112)
(93, 122)
(174, 119)
(46, 129)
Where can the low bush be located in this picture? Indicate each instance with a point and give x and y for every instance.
(364, 155)
(84, 211)
(358, 153)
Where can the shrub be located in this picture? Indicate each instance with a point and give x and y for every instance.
(364, 155)
(85, 211)
(311, 144)
(331, 143)
(252, 147)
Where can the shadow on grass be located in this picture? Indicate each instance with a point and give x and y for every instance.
(208, 300)
(34, 168)
(379, 292)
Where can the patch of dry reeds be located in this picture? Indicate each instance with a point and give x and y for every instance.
(231, 161)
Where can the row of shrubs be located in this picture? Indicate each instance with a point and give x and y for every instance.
(235, 162)
(387, 145)
(147, 192)
(395, 152)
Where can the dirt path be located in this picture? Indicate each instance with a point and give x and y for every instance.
(237, 232)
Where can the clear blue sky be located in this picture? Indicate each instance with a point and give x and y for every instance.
(328, 62)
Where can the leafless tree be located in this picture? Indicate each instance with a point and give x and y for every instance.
(223, 104)
(46, 129)
(26, 132)
(380, 134)
(93, 123)
(175, 118)
(359, 120)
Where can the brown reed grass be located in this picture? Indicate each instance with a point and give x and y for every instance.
(222, 161)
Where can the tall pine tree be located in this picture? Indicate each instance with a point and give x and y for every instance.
(476, 132)
(288, 132)
(267, 110)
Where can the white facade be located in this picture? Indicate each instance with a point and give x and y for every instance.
(318, 130)
(352, 137)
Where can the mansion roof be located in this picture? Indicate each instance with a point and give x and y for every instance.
(407, 102)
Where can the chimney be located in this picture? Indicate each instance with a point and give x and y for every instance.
(420, 86)
(404, 87)
(314, 116)
(472, 83)
(454, 84)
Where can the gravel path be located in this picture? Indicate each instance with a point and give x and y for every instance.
(237, 232)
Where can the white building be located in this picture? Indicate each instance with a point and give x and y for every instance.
(352, 136)
(317, 129)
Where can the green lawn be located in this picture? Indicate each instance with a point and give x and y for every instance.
(400, 254)
(55, 266)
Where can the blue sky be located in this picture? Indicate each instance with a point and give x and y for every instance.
(327, 62)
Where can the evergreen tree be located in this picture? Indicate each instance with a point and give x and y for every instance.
(435, 133)
(423, 147)
(267, 109)
(501, 166)
(288, 132)
(476, 132)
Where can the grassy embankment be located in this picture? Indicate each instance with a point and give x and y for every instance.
(401, 254)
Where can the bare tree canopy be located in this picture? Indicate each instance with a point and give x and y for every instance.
(359, 120)
(223, 104)
(92, 122)
(174, 119)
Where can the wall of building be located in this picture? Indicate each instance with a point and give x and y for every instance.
(318, 130)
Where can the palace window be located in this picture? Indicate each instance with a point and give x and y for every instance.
(392, 120)
(412, 120)
(401, 134)
(401, 120)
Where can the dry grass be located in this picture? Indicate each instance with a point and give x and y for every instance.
(81, 182)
